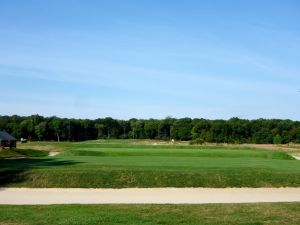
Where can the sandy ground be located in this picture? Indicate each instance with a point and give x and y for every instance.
(33, 196)
(296, 157)
(53, 153)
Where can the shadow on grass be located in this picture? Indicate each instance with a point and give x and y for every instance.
(14, 171)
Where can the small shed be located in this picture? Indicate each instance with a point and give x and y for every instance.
(6, 140)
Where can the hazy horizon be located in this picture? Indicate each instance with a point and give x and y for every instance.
(147, 118)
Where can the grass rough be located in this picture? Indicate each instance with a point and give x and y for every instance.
(210, 214)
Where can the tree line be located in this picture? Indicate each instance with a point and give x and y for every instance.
(234, 130)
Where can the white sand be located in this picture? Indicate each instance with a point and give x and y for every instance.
(33, 196)
(53, 153)
(296, 157)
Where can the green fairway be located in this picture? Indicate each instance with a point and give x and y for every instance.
(129, 163)
(221, 214)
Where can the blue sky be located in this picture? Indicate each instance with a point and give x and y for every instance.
(143, 59)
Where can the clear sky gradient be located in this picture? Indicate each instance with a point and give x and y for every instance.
(143, 59)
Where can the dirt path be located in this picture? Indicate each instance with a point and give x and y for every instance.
(33, 196)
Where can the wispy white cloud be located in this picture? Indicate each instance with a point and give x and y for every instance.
(218, 68)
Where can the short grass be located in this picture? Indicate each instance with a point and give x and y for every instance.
(212, 214)
(121, 164)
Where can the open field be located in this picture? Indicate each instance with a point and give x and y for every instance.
(221, 214)
(127, 163)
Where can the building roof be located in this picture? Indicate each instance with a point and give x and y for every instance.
(4, 136)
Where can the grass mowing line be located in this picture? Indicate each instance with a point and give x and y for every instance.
(227, 153)
(212, 214)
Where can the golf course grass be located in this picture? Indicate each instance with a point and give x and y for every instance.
(17, 153)
(127, 163)
(210, 214)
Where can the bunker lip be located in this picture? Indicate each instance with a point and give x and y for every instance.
(53, 153)
(297, 157)
(45, 196)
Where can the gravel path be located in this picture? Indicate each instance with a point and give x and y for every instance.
(36, 196)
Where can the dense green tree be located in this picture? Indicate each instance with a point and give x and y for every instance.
(25, 129)
(164, 128)
(100, 130)
(181, 129)
(40, 130)
(297, 135)
(56, 125)
(125, 125)
(137, 127)
(201, 130)
(234, 130)
(151, 128)
(219, 131)
(112, 128)
(14, 129)
(277, 140)
(72, 130)
(238, 130)
(263, 136)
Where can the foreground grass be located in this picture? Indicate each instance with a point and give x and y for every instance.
(212, 214)
(120, 164)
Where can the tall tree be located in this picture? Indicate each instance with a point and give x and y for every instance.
(151, 128)
(100, 130)
(40, 130)
(181, 129)
(56, 125)
(234, 130)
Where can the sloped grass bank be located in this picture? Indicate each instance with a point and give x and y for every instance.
(66, 173)
(105, 165)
